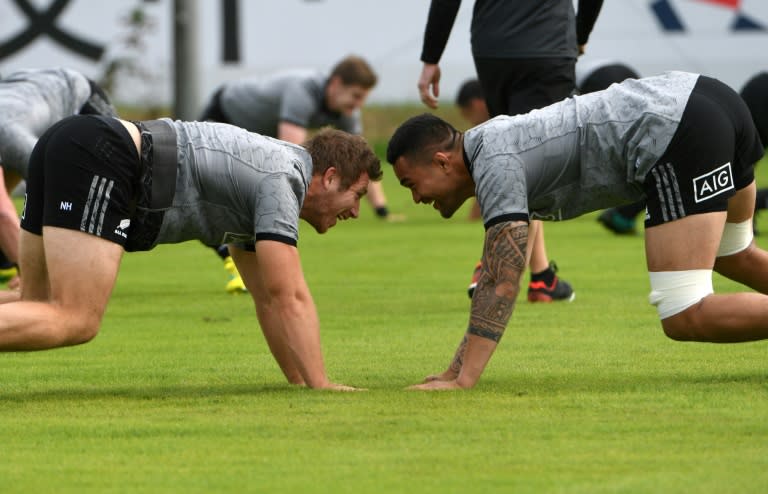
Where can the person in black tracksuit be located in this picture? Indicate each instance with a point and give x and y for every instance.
(525, 55)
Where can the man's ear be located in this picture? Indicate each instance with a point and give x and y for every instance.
(334, 83)
(330, 176)
(441, 159)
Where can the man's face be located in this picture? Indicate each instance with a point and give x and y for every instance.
(335, 204)
(345, 99)
(434, 183)
(475, 111)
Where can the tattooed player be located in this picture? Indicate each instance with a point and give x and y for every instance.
(686, 143)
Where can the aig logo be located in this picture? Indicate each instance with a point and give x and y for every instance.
(713, 183)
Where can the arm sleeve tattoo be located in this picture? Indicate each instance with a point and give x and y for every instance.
(458, 359)
(499, 283)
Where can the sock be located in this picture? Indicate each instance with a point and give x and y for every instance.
(381, 211)
(547, 276)
(4, 262)
(222, 251)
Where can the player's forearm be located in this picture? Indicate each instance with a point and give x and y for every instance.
(301, 337)
(270, 326)
(9, 235)
(494, 297)
(290, 132)
(479, 351)
(458, 360)
(9, 225)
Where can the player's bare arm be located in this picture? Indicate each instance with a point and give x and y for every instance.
(499, 283)
(247, 264)
(492, 304)
(453, 370)
(286, 311)
(290, 132)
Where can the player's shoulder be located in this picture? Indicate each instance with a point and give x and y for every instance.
(487, 131)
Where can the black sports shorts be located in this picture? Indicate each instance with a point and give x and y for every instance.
(515, 86)
(83, 175)
(710, 157)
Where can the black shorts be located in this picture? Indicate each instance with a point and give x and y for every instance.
(710, 157)
(83, 175)
(515, 86)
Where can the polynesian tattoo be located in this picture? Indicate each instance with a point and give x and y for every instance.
(458, 359)
(499, 283)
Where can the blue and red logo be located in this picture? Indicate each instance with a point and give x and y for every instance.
(671, 20)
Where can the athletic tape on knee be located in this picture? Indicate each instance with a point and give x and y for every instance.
(674, 291)
(736, 237)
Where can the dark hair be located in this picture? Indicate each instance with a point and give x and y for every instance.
(348, 153)
(604, 76)
(354, 71)
(468, 91)
(420, 135)
(755, 95)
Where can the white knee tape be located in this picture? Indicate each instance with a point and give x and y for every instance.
(736, 237)
(674, 291)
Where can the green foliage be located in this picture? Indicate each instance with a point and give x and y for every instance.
(178, 393)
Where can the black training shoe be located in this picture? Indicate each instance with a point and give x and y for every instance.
(616, 222)
(539, 291)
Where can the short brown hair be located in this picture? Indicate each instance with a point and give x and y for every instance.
(350, 154)
(354, 71)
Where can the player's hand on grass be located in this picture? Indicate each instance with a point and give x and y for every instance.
(447, 375)
(436, 386)
(342, 387)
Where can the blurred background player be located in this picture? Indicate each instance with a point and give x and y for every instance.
(31, 100)
(286, 104)
(621, 220)
(525, 55)
(471, 104)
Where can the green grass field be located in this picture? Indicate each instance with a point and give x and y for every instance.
(179, 393)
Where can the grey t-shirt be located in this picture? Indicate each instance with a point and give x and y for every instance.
(30, 102)
(233, 186)
(579, 155)
(296, 96)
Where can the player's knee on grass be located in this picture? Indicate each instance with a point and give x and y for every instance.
(676, 295)
(76, 327)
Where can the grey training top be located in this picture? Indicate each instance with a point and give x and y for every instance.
(296, 96)
(579, 155)
(233, 186)
(30, 102)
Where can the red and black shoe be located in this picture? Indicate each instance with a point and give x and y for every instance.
(557, 290)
